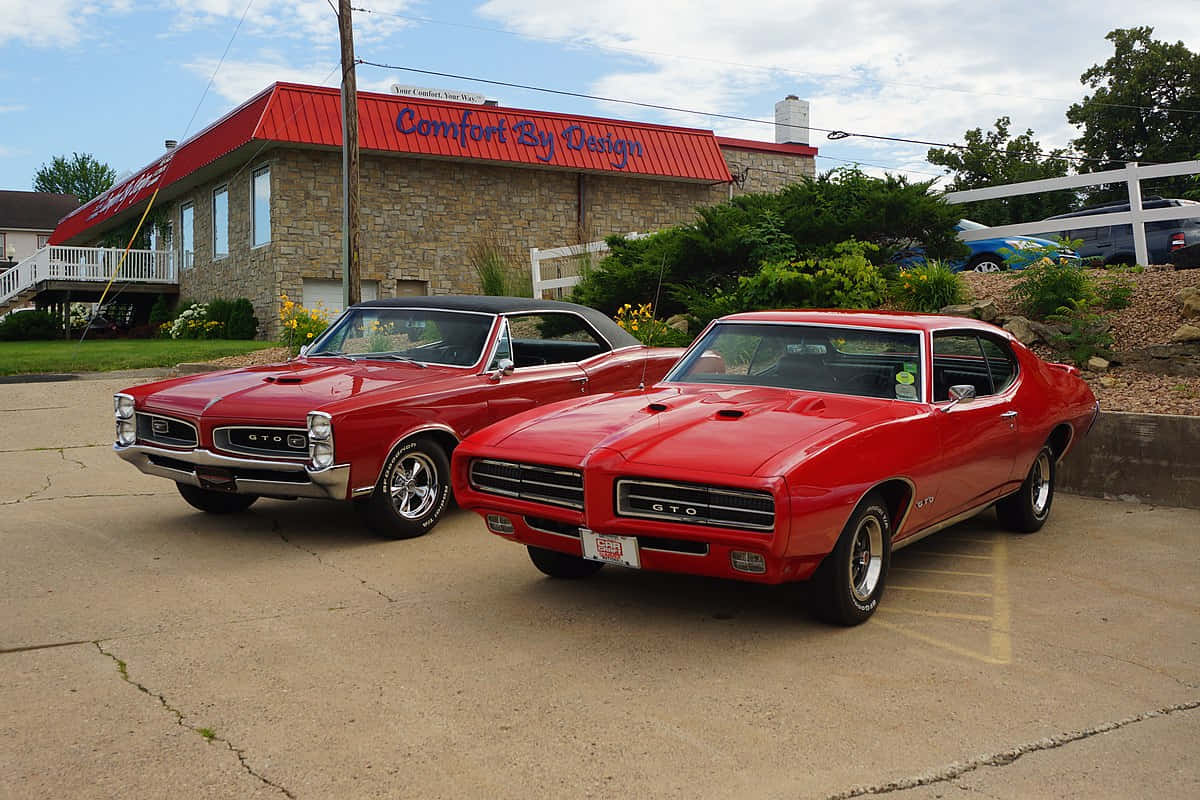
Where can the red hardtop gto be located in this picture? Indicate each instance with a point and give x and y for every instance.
(374, 407)
(785, 446)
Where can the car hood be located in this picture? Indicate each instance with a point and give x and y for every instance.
(731, 430)
(288, 391)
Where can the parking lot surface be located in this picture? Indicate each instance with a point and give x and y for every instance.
(149, 650)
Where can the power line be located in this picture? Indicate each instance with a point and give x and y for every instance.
(832, 133)
(743, 65)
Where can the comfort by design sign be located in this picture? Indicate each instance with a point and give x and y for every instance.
(471, 128)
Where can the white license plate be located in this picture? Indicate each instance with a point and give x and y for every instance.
(610, 549)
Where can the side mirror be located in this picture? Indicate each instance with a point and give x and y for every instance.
(304, 350)
(960, 393)
(503, 367)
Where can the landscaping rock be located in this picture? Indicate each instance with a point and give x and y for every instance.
(678, 322)
(1186, 333)
(1097, 364)
(1108, 381)
(1046, 333)
(1180, 359)
(1191, 302)
(985, 310)
(959, 310)
(1020, 327)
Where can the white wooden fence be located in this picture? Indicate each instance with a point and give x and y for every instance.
(1132, 176)
(571, 262)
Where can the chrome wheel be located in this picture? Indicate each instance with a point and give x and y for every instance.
(413, 485)
(866, 559)
(988, 266)
(1039, 484)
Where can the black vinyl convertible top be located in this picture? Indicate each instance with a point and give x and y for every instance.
(614, 333)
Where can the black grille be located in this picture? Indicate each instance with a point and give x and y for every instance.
(165, 430)
(696, 504)
(533, 482)
(279, 476)
(263, 441)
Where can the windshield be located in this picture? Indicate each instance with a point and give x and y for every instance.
(853, 361)
(424, 335)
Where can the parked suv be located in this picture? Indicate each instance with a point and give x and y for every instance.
(1114, 243)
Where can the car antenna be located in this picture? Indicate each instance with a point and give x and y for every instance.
(653, 310)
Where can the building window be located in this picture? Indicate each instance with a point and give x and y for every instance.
(43, 240)
(260, 207)
(220, 211)
(187, 235)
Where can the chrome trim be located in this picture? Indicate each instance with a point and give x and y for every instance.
(249, 451)
(520, 494)
(505, 316)
(409, 433)
(152, 415)
(362, 357)
(531, 526)
(329, 483)
(912, 499)
(946, 523)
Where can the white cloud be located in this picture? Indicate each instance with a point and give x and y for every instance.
(53, 23)
(311, 20)
(10, 109)
(924, 69)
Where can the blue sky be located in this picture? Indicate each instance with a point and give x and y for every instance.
(116, 77)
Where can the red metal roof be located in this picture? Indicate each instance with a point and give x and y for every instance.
(766, 147)
(311, 115)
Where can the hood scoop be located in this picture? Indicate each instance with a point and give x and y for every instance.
(284, 380)
(655, 408)
(730, 413)
(807, 405)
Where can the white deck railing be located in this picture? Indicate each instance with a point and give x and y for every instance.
(92, 264)
(570, 263)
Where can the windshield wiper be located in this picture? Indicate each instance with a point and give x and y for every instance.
(393, 357)
(337, 354)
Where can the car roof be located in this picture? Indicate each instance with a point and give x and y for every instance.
(487, 304)
(900, 321)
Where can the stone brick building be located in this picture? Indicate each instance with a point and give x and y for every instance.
(253, 203)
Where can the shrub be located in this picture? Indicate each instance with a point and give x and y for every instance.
(194, 323)
(646, 329)
(30, 325)
(160, 312)
(928, 287)
(301, 325)
(1115, 293)
(1045, 286)
(848, 280)
(498, 276)
(1087, 334)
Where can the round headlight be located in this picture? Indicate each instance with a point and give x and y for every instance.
(319, 426)
(126, 436)
(123, 406)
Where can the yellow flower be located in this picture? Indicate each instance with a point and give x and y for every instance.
(310, 334)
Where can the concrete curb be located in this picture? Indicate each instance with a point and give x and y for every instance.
(1144, 458)
(122, 374)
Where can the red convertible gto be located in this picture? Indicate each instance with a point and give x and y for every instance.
(373, 408)
(786, 446)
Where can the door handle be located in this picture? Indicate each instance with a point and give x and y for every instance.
(1008, 415)
(582, 383)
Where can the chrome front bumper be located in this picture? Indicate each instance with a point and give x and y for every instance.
(180, 466)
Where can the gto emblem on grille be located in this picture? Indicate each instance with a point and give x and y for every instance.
(263, 437)
(297, 441)
(687, 510)
(160, 426)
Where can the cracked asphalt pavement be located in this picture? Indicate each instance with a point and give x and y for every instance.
(149, 650)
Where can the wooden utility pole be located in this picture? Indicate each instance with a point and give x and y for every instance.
(351, 283)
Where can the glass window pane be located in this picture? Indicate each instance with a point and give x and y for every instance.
(552, 339)
(261, 206)
(220, 222)
(187, 235)
(957, 360)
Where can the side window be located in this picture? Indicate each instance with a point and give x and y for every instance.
(552, 338)
(1001, 363)
(957, 360)
(503, 347)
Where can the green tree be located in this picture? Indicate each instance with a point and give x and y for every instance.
(1128, 115)
(80, 175)
(995, 158)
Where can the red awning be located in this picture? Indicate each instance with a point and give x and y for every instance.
(311, 115)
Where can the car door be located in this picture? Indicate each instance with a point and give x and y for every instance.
(979, 437)
(544, 352)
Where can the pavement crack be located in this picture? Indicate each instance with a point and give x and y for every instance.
(1006, 757)
(325, 563)
(207, 733)
(49, 481)
(79, 497)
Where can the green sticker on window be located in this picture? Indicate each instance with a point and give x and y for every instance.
(910, 366)
(905, 378)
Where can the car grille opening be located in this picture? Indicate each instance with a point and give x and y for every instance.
(165, 430)
(274, 475)
(659, 543)
(696, 504)
(263, 441)
(534, 482)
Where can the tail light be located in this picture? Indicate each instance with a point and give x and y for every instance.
(1177, 241)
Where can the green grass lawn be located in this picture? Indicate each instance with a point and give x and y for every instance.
(101, 355)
